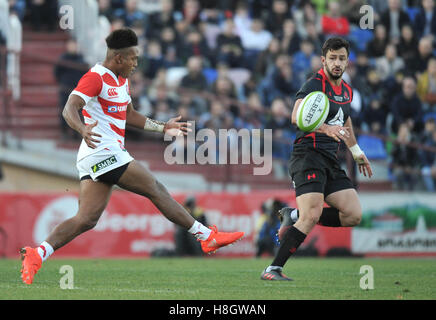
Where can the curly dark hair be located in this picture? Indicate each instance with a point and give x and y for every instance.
(122, 38)
(335, 43)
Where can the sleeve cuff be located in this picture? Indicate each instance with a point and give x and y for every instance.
(81, 95)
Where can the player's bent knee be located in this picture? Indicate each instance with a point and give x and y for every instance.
(310, 216)
(356, 219)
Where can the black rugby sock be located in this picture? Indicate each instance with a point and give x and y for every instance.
(330, 218)
(292, 239)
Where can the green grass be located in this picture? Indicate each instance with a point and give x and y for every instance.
(217, 279)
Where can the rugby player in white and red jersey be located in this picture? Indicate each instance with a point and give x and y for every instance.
(102, 161)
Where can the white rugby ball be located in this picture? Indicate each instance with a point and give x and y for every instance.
(312, 111)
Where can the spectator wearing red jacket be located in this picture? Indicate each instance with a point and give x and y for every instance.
(333, 23)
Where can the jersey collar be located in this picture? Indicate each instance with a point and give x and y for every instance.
(99, 65)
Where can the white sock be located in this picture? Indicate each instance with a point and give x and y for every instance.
(45, 250)
(199, 231)
(274, 268)
(294, 215)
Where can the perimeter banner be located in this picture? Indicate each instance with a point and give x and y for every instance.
(131, 226)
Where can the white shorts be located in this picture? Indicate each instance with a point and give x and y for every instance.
(101, 162)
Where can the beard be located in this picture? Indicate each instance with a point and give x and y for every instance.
(334, 76)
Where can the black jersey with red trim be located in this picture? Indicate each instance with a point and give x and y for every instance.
(340, 98)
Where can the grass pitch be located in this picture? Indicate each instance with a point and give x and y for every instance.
(222, 279)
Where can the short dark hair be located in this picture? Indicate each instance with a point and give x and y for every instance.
(122, 38)
(335, 43)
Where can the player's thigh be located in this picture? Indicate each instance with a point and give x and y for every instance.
(138, 179)
(93, 198)
(348, 203)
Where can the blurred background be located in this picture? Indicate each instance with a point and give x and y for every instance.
(224, 64)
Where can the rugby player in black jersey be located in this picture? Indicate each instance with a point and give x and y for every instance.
(314, 166)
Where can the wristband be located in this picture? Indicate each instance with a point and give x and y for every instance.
(356, 151)
(154, 125)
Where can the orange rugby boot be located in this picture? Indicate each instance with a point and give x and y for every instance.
(31, 263)
(218, 239)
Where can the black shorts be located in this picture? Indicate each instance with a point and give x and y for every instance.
(312, 171)
(110, 177)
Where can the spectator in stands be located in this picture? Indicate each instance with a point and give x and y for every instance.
(217, 118)
(428, 158)
(333, 23)
(406, 107)
(242, 17)
(284, 80)
(302, 60)
(105, 9)
(190, 13)
(390, 63)
(162, 96)
(255, 114)
(306, 13)
(405, 160)
(393, 19)
(426, 87)
(160, 20)
(362, 63)
(169, 41)
(317, 38)
(68, 70)
(194, 79)
(256, 38)
(289, 38)
(266, 59)
(377, 46)
(19, 7)
(43, 13)
(315, 65)
(224, 88)
(407, 47)
(278, 121)
(196, 45)
(154, 59)
(425, 50)
(425, 19)
(265, 234)
(351, 10)
(130, 13)
(374, 116)
(229, 46)
(276, 18)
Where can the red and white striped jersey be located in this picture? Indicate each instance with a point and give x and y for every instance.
(106, 98)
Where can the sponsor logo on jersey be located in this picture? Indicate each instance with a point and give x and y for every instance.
(112, 109)
(338, 119)
(112, 92)
(104, 164)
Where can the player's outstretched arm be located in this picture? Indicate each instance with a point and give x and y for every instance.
(71, 116)
(358, 155)
(172, 127)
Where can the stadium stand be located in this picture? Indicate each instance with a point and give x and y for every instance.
(273, 66)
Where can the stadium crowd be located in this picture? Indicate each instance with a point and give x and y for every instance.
(239, 64)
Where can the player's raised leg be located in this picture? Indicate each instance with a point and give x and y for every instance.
(348, 205)
(139, 180)
(93, 198)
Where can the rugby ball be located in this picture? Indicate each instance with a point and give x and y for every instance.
(312, 111)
